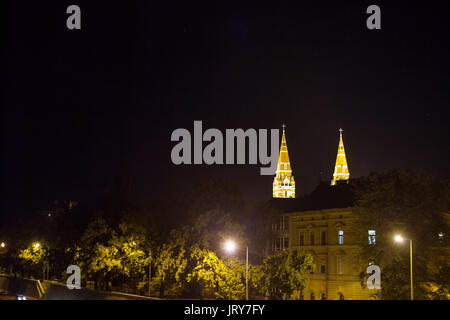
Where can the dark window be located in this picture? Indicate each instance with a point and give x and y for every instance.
(323, 266)
(312, 296)
(286, 223)
(302, 239)
(311, 238)
(341, 296)
(324, 296)
(324, 238)
(285, 243)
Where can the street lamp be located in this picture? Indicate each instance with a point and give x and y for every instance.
(37, 245)
(400, 239)
(230, 247)
(3, 245)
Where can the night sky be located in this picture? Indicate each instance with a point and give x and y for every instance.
(84, 106)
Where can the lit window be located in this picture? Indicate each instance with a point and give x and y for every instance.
(372, 237)
(341, 236)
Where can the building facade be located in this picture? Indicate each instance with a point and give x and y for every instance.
(329, 236)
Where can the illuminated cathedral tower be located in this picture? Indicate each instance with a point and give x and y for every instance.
(340, 169)
(283, 183)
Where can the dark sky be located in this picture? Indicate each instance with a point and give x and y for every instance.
(81, 107)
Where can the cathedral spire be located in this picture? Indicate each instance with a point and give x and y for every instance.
(340, 169)
(284, 183)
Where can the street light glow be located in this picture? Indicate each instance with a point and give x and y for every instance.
(230, 246)
(37, 245)
(398, 238)
(3, 245)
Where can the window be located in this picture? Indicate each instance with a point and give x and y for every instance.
(312, 296)
(286, 223)
(341, 236)
(371, 237)
(339, 265)
(323, 266)
(285, 243)
(324, 238)
(441, 236)
(302, 239)
(341, 296)
(323, 296)
(311, 238)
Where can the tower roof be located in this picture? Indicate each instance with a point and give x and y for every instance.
(284, 184)
(341, 168)
(284, 155)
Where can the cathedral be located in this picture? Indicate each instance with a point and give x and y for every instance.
(284, 183)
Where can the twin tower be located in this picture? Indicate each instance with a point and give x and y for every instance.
(284, 183)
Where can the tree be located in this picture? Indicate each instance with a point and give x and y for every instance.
(35, 256)
(120, 254)
(411, 204)
(170, 263)
(283, 274)
(224, 280)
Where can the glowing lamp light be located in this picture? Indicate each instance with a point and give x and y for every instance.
(3, 245)
(398, 238)
(230, 246)
(37, 245)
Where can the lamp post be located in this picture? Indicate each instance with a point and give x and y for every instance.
(230, 247)
(400, 239)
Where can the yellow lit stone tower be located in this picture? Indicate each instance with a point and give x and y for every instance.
(340, 169)
(284, 183)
